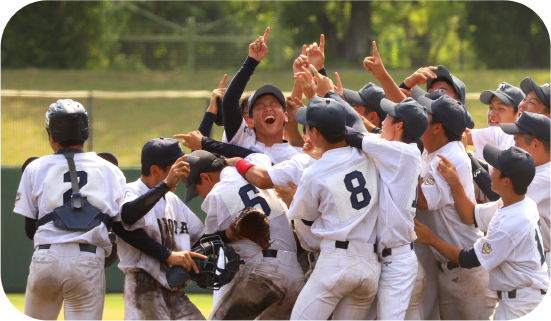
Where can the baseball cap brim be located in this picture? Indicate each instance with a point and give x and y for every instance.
(527, 85)
(198, 161)
(512, 129)
(266, 89)
(388, 107)
(353, 97)
(443, 73)
(300, 116)
(486, 98)
(491, 155)
(419, 95)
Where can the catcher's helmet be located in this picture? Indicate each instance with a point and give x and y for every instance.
(217, 270)
(67, 119)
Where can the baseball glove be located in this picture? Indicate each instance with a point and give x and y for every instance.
(253, 224)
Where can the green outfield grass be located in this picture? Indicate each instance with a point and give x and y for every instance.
(114, 306)
(123, 126)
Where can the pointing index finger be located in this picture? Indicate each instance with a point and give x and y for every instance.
(339, 84)
(322, 42)
(221, 85)
(375, 51)
(266, 34)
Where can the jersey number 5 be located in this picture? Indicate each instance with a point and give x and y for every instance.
(244, 193)
(83, 179)
(358, 201)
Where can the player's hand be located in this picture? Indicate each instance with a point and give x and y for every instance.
(323, 84)
(292, 106)
(180, 170)
(233, 161)
(424, 234)
(448, 171)
(338, 88)
(316, 54)
(375, 64)
(306, 81)
(286, 194)
(420, 77)
(192, 140)
(217, 93)
(301, 61)
(311, 150)
(259, 48)
(185, 259)
(406, 92)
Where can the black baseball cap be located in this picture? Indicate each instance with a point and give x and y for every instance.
(450, 112)
(439, 93)
(508, 94)
(517, 164)
(326, 114)
(161, 151)
(527, 85)
(442, 73)
(266, 89)
(529, 123)
(370, 95)
(198, 161)
(410, 112)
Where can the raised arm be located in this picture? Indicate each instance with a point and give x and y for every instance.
(212, 111)
(256, 175)
(230, 104)
(375, 65)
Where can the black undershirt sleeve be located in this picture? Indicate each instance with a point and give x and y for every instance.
(323, 71)
(143, 242)
(354, 138)
(30, 227)
(468, 259)
(376, 130)
(231, 109)
(206, 124)
(134, 210)
(482, 179)
(224, 149)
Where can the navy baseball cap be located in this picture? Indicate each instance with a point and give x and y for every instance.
(450, 112)
(517, 164)
(527, 85)
(326, 114)
(161, 151)
(529, 123)
(410, 112)
(508, 94)
(198, 161)
(442, 73)
(439, 93)
(266, 89)
(370, 95)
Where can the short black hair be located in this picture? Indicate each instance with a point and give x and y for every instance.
(406, 136)
(146, 169)
(217, 165)
(451, 136)
(517, 189)
(333, 138)
(528, 138)
(70, 142)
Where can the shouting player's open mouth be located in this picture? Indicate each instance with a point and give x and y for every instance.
(269, 120)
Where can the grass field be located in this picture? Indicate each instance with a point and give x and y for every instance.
(123, 126)
(114, 306)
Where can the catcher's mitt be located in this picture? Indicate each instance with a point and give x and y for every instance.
(253, 224)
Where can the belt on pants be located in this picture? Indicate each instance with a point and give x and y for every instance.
(450, 265)
(344, 245)
(83, 247)
(143, 276)
(387, 252)
(513, 294)
(269, 253)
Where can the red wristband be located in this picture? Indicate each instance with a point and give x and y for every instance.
(243, 166)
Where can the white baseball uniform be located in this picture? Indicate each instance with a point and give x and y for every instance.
(171, 223)
(399, 167)
(64, 272)
(492, 135)
(269, 284)
(540, 192)
(512, 252)
(340, 194)
(247, 138)
(459, 289)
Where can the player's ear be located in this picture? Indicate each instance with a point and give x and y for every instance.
(250, 123)
(154, 170)
(205, 177)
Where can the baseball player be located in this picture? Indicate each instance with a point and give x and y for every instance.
(68, 265)
(269, 282)
(399, 162)
(341, 202)
(151, 206)
(511, 251)
(458, 294)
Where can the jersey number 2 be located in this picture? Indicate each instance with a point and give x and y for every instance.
(357, 190)
(83, 179)
(252, 202)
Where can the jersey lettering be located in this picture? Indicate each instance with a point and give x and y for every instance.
(355, 184)
(82, 180)
(258, 200)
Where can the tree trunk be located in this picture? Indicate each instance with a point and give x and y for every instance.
(357, 44)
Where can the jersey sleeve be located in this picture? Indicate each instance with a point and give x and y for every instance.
(484, 136)
(389, 155)
(483, 214)
(289, 170)
(244, 137)
(305, 205)
(115, 189)
(25, 203)
(259, 159)
(493, 249)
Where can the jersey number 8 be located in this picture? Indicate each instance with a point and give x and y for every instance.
(358, 201)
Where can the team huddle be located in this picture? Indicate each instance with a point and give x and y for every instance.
(359, 205)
